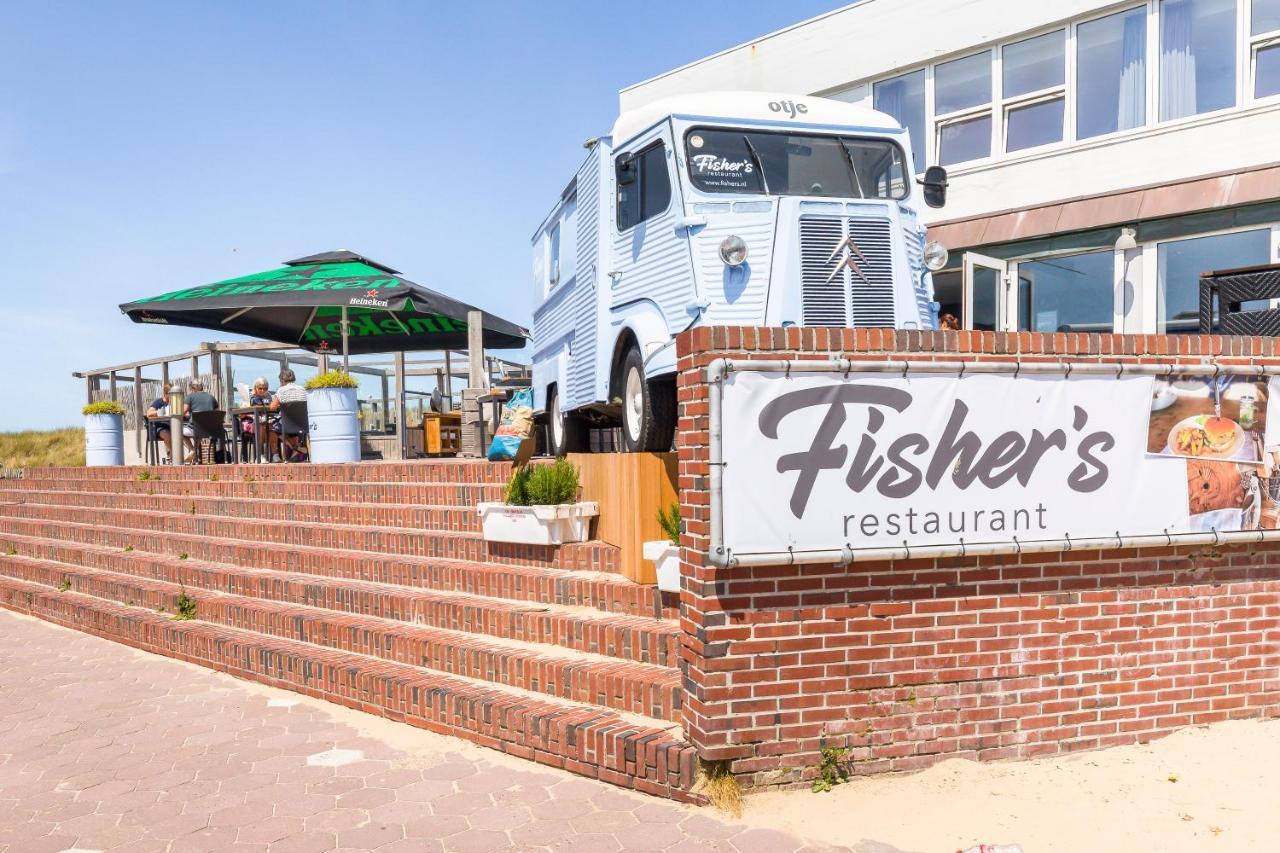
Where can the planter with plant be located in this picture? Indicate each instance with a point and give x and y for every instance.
(333, 433)
(665, 553)
(103, 433)
(541, 507)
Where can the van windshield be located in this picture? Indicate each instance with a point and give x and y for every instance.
(748, 161)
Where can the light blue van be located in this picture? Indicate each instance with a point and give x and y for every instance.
(721, 208)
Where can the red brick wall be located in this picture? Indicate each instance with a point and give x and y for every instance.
(908, 662)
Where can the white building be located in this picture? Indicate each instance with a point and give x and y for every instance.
(1101, 155)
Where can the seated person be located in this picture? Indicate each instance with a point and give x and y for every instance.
(159, 408)
(260, 395)
(289, 392)
(198, 400)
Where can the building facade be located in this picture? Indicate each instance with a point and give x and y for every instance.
(1101, 155)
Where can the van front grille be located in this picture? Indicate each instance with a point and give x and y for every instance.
(846, 271)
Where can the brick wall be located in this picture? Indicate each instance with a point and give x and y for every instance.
(911, 661)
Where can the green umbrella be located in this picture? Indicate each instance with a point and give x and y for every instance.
(326, 301)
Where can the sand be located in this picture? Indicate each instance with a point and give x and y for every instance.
(1215, 788)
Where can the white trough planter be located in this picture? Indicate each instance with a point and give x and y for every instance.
(666, 558)
(103, 440)
(553, 524)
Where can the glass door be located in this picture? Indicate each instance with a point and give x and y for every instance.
(984, 293)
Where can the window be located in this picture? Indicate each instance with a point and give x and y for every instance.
(1180, 262)
(553, 257)
(644, 187)
(1067, 294)
(1111, 73)
(1264, 47)
(1197, 56)
(962, 103)
(903, 98)
(1034, 90)
(736, 161)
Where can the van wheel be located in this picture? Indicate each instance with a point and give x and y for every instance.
(566, 433)
(648, 407)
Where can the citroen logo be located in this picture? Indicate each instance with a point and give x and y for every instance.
(849, 255)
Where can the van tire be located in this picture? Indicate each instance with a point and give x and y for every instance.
(566, 432)
(648, 407)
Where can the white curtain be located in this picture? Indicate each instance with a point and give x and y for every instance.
(1133, 72)
(1177, 60)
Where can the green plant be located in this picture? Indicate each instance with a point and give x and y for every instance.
(12, 550)
(186, 606)
(128, 548)
(831, 769)
(332, 379)
(540, 485)
(64, 584)
(147, 475)
(103, 407)
(182, 556)
(213, 478)
(669, 521)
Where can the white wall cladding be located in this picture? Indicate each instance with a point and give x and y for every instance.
(865, 40)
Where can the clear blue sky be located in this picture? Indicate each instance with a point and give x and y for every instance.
(150, 146)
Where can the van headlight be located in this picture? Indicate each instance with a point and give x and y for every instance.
(935, 255)
(733, 250)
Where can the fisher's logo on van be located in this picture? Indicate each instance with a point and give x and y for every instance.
(849, 253)
(369, 300)
(791, 108)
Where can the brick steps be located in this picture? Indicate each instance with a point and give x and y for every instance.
(433, 471)
(585, 739)
(397, 541)
(640, 689)
(602, 591)
(427, 493)
(421, 517)
(630, 638)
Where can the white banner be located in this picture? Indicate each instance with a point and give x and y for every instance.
(820, 461)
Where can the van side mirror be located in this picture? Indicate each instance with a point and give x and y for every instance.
(935, 186)
(626, 170)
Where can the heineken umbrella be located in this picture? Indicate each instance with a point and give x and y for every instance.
(335, 301)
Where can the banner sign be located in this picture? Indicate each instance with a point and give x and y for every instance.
(818, 461)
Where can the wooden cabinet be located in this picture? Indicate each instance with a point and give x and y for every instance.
(630, 488)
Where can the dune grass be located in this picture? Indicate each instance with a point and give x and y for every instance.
(42, 448)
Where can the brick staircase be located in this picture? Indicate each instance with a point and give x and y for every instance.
(368, 585)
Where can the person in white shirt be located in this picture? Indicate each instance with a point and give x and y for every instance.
(289, 392)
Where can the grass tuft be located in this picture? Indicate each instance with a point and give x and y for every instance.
(722, 788)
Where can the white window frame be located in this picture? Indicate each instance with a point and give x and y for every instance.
(968, 113)
(1039, 96)
(1250, 45)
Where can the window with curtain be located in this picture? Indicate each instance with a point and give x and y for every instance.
(903, 98)
(1034, 90)
(1197, 57)
(1111, 73)
(1264, 47)
(1067, 294)
(962, 105)
(1180, 262)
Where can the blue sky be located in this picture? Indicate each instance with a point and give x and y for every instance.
(150, 146)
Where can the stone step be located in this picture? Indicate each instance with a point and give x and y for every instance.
(631, 638)
(604, 591)
(580, 677)
(590, 740)
(399, 541)
(425, 493)
(415, 471)
(418, 517)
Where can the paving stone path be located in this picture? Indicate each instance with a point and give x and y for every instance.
(105, 748)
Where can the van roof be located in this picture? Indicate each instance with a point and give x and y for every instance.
(752, 107)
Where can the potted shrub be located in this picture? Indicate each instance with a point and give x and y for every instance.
(333, 433)
(541, 507)
(103, 433)
(665, 553)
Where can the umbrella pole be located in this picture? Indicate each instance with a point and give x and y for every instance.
(344, 339)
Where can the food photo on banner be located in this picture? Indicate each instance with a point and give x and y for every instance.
(824, 461)
(1221, 425)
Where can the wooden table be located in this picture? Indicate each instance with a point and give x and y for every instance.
(441, 433)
